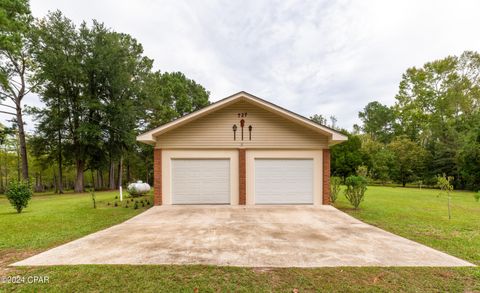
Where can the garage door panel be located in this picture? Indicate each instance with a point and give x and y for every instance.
(284, 181)
(200, 181)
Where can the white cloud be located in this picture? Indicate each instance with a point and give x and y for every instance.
(329, 57)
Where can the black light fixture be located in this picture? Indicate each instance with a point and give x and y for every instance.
(234, 131)
(250, 132)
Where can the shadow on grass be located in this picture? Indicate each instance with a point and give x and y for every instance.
(14, 212)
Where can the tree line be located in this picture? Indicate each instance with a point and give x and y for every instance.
(98, 91)
(433, 129)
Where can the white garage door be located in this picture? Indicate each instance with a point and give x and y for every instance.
(200, 181)
(284, 181)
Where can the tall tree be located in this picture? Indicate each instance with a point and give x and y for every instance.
(377, 157)
(170, 96)
(319, 118)
(346, 157)
(469, 154)
(408, 160)
(115, 69)
(59, 52)
(15, 63)
(433, 104)
(378, 121)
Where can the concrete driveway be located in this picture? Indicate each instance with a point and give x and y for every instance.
(253, 236)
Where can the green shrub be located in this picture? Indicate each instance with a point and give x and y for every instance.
(443, 182)
(334, 188)
(19, 193)
(356, 187)
(477, 196)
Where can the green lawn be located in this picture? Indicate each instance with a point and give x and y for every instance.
(422, 215)
(53, 219)
(416, 214)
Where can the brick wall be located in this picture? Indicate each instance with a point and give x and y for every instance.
(242, 173)
(326, 176)
(157, 176)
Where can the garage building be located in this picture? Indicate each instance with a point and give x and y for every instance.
(242, 150)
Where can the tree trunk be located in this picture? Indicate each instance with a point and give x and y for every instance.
(111, 176)
(101, 182)
(23, 144)
(129, 178)
(38, 182)
(146, 171)
(93, 186)
(18, 161)
(60, 172)
(120, 172)
(6, 167)
(97, 181)
(79, 179)
(55, 183)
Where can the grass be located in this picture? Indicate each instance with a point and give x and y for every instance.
(422, 215)
(54, 219)
(415, 214)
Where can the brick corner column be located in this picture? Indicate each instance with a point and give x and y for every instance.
(157, 176)
(242, 176)
(326, 177)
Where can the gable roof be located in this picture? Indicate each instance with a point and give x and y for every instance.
(333, 135)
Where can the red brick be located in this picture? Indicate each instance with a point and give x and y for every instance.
(326, 176)
(242, 173)
(157, 176)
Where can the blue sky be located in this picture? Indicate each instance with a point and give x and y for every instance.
(327, 57)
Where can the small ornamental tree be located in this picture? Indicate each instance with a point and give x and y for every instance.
(443, 182)
(355, 192)
(19, 193)
(334, 188)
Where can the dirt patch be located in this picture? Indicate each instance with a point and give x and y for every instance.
(9, 256)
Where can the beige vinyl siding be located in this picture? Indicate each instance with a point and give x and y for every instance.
(215, 131)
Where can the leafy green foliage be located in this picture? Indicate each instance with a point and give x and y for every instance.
(334, 188)
(469, 154)
(170, 96)
(99, 93)
(346, 157)
(319, 118)
(16, 65)
(437, 116)
(408, 160)
(378, 121)
(13, 24)
(378, 158)
(19, 194)
(435, 106)
(443, 182)
(355, 189)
